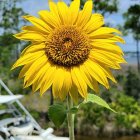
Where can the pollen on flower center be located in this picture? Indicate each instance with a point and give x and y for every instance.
(67, 46)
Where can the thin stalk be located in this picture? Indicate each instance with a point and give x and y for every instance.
(70, 118)
(138, 61)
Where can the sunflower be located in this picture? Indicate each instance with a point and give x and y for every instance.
(70, 50)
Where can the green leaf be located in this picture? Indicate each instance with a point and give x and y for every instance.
(74, 110)
(57, 114)
(96, 99)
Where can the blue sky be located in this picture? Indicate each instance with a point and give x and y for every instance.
(33, 6)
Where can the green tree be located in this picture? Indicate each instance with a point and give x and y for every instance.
(132, 83)
(10, 16)
(103, 6)
(132, 25)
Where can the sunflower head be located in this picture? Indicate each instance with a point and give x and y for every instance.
(70, 50)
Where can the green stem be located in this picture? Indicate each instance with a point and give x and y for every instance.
(70, 118)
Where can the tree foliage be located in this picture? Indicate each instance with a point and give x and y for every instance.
(11, 21)
(11, 16)
(132, 84)
(132, 25)
(132, 20)
(103, 6)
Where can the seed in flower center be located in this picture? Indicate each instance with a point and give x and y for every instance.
(67, 46)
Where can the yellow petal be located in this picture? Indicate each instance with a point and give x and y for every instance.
(104, 30)
(79, 82)
(66, 84)
(83, 75)
(23, 71)
(33, 28)
(48, 79)
(34, 68)
(33, 48)
(30, 36)
(54, 11)
(33, 77)
(27, 59)
(38, 79)
(63, 12)
(112, 56)
(89, 80)
(107, 46)
(96, 72)
(38, 23)
(104, 60)
(74, 10)
(94, 23)
(85, 14)
(74, 93)
(53, 7)
(108, 73)
(48, 17)
(58, 83)
(104, 36)
(110, 40)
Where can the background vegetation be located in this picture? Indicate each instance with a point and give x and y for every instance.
(91, 119)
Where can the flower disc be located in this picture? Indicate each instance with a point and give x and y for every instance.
(67, 46)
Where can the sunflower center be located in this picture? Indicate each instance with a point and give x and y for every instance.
(67, 46)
